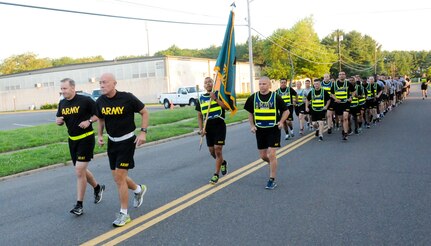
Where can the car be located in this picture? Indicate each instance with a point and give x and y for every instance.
(96, 93)
(80, 93)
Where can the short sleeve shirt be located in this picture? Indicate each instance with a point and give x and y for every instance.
(119, 112)
(76, 110)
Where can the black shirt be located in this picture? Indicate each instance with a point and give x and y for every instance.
(76, 110)
(280, 105)
(119, 112)
(292, 92)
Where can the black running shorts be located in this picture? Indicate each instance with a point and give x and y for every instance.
(215, 132)
(318, 115)
(121, 154)
(82, 149)
(268, 137)
(340, 108)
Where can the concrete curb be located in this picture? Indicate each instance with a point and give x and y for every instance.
(102, 154)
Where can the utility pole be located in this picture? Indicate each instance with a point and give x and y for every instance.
(148, 40)
(375, 60)
(250, 48)
(339, 38)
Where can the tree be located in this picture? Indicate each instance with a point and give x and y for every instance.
(24, 62)
(300, 46)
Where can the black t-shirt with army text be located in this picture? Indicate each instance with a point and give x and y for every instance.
(76, 110)
(119, 112)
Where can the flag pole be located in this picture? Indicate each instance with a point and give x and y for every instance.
(206, 116)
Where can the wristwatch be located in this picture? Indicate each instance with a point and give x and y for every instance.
(90, 121)
(144, 130)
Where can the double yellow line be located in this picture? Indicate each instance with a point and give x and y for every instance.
(140, 224)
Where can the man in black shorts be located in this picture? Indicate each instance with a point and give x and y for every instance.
(116, 111)
(212, 109)
(288, 94)
(267, 114)
(318, 98)
(78, 112)
(341, 92)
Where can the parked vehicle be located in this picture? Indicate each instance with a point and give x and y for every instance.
(184, 96)
(96, 93)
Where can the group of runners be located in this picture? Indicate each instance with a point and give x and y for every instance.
(347, 103)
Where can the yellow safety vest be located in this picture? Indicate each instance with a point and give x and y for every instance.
(318, 101)
(341, 92)
(215, 109)
(285, 95)
(265, 113)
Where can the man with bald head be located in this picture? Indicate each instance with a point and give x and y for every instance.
(116, 111)
(267, 114)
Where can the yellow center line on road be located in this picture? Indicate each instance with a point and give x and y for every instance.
(198, 195)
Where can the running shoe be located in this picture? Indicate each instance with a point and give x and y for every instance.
(98, 195)
(121, 220)
(77, 210)
(271, 185)
(292, 135)
(214, 179)
(223, 167)
(287, 137)
(329, 130)
(320, 138)
(139, 197)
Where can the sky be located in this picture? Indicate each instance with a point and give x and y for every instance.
(395, 25)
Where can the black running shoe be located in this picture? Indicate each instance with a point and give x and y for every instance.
(77, 210)
(223, 167)
(99, 194)
(329, 130)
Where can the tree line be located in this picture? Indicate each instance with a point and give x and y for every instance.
(290, 53)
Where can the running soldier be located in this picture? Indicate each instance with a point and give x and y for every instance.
(288, 94)
(215, 127)
(78, 112)
(267, 114)
(341, 92)
(116, 110)
(326, 85)
(318, 100)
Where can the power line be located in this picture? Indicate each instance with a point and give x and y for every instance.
(111, 16)
(303, 58)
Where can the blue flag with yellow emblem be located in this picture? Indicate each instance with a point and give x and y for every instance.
(226, 68)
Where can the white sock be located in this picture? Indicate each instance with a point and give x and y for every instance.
(123, 210)
(139, 189)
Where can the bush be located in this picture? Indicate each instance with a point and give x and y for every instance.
(49, 106)
(243, 95)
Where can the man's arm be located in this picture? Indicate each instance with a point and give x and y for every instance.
(142, 137)
(100, 128)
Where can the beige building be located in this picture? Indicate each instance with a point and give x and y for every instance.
(144, 77)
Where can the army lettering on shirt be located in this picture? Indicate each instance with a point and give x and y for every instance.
(80, 108)
(119, 112)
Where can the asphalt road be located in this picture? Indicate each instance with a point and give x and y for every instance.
(371, 190)
(15, 120)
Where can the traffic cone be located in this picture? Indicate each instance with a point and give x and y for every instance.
(172, 105)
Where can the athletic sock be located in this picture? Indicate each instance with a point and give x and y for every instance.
(79, 203)
(138, 189)
(97, 188)
(272, 179)
(123, 210)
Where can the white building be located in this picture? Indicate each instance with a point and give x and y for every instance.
(146, 78)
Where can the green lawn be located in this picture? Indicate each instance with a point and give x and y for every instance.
(30, 148)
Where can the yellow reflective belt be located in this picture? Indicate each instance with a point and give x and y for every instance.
(81, 136)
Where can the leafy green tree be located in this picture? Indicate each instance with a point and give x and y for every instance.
(24, 62)
(300, 46)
